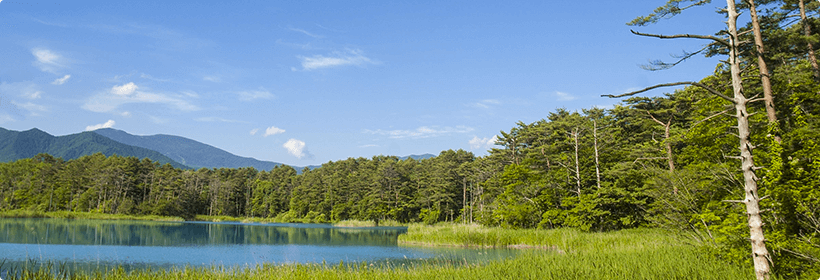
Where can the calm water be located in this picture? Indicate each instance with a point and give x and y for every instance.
(94, 243)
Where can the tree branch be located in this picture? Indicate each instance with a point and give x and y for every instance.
(706, 37)
(709, 117)
(657, 65)
(710, 90)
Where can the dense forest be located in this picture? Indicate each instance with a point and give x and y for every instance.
(667, 161)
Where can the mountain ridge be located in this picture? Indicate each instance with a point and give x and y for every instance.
(16, 145)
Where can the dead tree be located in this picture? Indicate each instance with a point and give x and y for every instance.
(760, 254)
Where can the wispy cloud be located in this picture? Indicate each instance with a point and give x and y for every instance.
(368, 146)
(563, 96)
(335, 59)
(4, 118)
(421, 132)
(297, 148)
(214, 79)
(305, 32)
(130, 93)
(33, 109)
(25, 89)
(254, 131)
(33, 94)
(47, 60)
(167, 38)
(250, 95)
(485, 104)
(273, 131)
(152, 78)
(61, 81)
(486, 142)
(305, 46)
(108, 124)
(215, 119)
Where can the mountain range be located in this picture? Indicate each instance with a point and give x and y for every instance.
(16, 145)
(178, 151)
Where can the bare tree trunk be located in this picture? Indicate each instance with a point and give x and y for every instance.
(666, 135)
(577, 164)
(464, 200)
(768, 97)
(807, 32)
(595, 141)
(760, 254)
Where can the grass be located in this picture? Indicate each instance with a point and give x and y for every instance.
(627, 254)
(370, 223)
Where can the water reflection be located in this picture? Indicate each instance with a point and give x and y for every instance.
(94, 244)
(142, 233)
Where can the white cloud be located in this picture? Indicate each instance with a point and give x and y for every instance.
(130, 93)
(254, 131)
(61, 81)
(124, 90)
(297, 148)
(33, 94)
(158, 120)
(368, 146)
(125, 114)
(563, 96)
(148, 77)
(486, 103)
(108, 124)
(4, 118)
(336, 59)
(254, 94)
(25, 89)
(305, 32)
(215, 119)
(486, 142)
(47, 60)
(273, 131)
(421, 132)
(34, 109)
(214, 79)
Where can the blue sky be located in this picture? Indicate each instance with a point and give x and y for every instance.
(306, 82)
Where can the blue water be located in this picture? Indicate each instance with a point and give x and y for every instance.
(179, 244)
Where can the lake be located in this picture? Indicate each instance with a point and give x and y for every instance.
(137, 244)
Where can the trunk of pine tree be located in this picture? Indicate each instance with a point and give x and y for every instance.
(768, 97)
(759, 253)
(807, 32)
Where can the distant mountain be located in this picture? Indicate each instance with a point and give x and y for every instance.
(418, 157)
(186, 151)
(16, 145)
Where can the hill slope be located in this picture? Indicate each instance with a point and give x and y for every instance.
(186, 151)
(16, 145)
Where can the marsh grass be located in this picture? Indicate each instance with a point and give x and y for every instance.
(369, 223)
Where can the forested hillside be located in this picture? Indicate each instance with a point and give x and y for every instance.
(26, 144)
(669, 161)
(186, 151)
